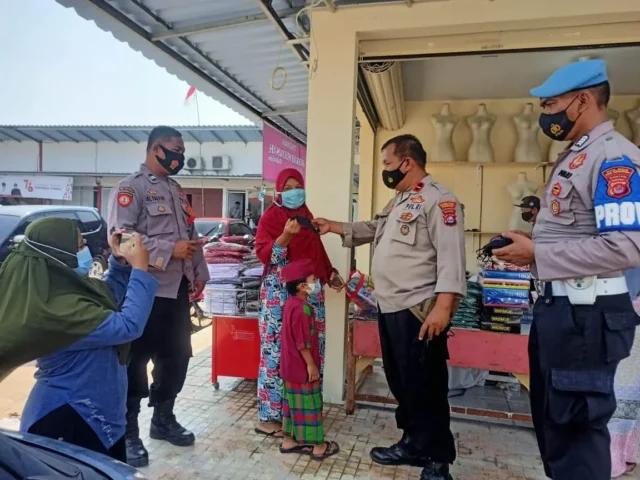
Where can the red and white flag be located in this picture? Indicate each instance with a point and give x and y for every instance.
(190, 93)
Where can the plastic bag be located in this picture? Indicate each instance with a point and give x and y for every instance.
(359, 289)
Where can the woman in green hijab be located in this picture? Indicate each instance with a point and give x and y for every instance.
(75, 328)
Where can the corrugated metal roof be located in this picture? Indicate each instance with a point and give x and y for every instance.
(232, 64)
(111, 133)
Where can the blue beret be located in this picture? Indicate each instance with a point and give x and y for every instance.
(575, 76)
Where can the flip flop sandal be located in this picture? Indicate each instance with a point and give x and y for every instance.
(302, 449)
(268, 434)
(332, 449)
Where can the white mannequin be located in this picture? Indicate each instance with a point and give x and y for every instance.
(444, 123)
(481, 124)
(527, 126)
(613, 116)
(634, 122)
(523, 187)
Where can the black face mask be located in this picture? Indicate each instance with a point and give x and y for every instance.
(172, 162)
(527, 216)
(392, 178)
(557, 125)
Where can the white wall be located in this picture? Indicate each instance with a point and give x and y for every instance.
(113, 158)
(18, 157)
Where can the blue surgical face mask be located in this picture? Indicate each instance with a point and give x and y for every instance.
(314, 288)
(293, 198)
(85, 260)
(84, 256)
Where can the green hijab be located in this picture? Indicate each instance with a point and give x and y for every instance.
(45, 305)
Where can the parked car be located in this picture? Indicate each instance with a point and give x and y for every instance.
(229, 230)
(24, 456)
(14, 220)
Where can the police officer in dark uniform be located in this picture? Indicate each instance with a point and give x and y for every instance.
(151, 203)
(586, 234)
(530, 208)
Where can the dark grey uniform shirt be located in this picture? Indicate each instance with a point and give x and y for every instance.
(568, 244)
(158, 209)
(419, 248)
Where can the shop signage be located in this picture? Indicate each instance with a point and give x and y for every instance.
(280, 152)
(36, 186)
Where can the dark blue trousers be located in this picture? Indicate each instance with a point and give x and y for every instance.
(574, 352)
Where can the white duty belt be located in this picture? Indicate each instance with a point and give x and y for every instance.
(584, 291)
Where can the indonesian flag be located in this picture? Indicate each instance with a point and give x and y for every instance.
(190, 93)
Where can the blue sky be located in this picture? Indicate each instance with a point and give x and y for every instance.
(59, 69)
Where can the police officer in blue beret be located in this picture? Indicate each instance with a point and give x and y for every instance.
(586, 235)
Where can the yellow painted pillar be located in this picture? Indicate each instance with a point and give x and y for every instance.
(331, 112)
(365, 187)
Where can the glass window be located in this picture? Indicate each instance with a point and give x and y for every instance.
(239, 229)
(89, 221)
(206, 228)
(7, 225)
(24, 224)
(62, 214)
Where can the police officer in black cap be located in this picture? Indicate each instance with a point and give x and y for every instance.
(530, 207)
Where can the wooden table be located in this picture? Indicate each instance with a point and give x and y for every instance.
(499, 352)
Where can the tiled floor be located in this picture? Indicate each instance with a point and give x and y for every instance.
(227, 447)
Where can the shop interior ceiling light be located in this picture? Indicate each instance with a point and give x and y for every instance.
(384, 80)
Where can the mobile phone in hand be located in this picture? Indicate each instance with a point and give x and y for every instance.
(127, 242)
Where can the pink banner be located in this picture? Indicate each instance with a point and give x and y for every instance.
(280, 152)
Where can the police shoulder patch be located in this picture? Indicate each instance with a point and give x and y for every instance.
(617, 198)
(449, 215)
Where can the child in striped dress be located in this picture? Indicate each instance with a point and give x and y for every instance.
(300, 367)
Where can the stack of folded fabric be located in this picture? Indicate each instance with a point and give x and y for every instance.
(225, 253)
(505, 292)
(220, 299)
(470, 308)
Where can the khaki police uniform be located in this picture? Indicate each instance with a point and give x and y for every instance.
(419, 251)
(586, 234)
(158, 209)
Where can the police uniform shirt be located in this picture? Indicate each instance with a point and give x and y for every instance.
(589, 222)
(158, 209)
(419, 248)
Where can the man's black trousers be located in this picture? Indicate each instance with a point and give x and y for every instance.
(419, 380)
(167, 342)
(574, 351)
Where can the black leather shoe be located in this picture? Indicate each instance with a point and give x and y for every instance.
(164, 426)
(436, 471)
(137, 455)
(398, 454)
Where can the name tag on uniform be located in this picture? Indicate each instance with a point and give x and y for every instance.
(617, 198)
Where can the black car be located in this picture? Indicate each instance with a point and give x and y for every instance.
(14, 220)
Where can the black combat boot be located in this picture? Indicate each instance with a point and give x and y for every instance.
(436, 471)
(164, 426)
(137, 455)
(406, 452)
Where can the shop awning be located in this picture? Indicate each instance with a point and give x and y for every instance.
(236, 51)
(118, 134)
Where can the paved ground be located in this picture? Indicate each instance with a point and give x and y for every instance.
(227, 447)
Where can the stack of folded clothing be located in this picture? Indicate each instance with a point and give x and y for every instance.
(220, 299)
(225, 253)
(505, 291)
(470, 308)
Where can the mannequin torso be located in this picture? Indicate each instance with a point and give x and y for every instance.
(481, 124)
(523, 187)
(527, 148)
(444, 123)
(613, 116)
(634, 122)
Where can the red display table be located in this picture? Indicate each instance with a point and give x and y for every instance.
(235, 348)
(499, 352)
